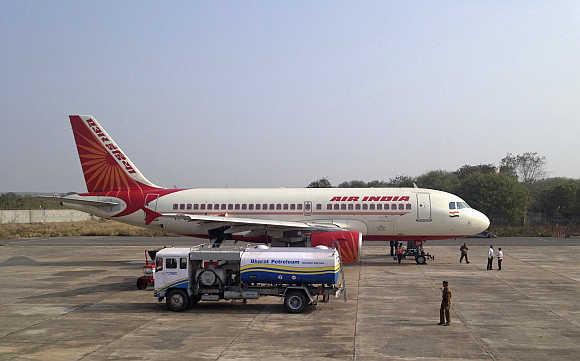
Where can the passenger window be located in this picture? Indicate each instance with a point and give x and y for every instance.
(319, 206)
(182, 206)
(271, 206)
(159, 264)
(237, 207)
(175, 206)
(264, 206)
(350, 206)
(393, 206)
(451, 205)
(292, 207)
(336, 206)
(230, 206)
(278, 206)
(258, 207)
(209, 207)
(379, 207)
(357, 206)
(251, 206)
(408, 206)
(365, 207)
(188, 205)
(372, 206)
(202, 206)
(183, 263)
(401, 206)
(223, 206)
(196, 206)
(244, 206)
(216, 206)
(343, 206)
(299, 207)
(170, 263)
(329, 207)
(286, 206)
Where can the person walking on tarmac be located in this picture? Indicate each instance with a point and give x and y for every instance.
(499, 258)
(463, 249)
(490, 255)
(400, 251)
(444, 314)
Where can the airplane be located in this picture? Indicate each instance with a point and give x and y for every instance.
(339, 217)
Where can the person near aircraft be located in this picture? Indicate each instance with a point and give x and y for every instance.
(490, 254)
(463, 249)
(499, 258)
(444, 310)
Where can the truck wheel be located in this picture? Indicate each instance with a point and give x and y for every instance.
(295, 301)
(177, 300)
(421, 260)
(142, 283)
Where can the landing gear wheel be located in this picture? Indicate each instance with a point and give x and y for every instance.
(142, 283)
(421, 260)
(177, 300)
(295, 302)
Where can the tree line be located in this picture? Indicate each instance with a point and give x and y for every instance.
(515, 192)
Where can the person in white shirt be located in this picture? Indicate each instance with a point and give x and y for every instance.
(499, 259)
(490, 258)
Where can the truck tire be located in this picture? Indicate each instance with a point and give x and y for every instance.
(295, 301)
(421, 260)
(142, 283)
(177, 300)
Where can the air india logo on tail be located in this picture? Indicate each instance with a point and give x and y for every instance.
(115, 151)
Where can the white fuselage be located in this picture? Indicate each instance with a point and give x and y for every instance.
(378, 213)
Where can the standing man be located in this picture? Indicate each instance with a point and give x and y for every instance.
(392, 245)
(490, 255)
(499, 258)
(444, 317)
(463, 249)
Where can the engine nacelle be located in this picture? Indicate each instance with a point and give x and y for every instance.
(348, 243)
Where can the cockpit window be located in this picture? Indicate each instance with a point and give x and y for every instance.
(461, 205)
(451, 205)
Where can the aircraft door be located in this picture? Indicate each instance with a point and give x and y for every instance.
(423, 207)
(307, 208)
(151, 201)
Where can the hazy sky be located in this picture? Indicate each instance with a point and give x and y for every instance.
(277, 94)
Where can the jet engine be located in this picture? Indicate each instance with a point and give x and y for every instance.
(348, 243)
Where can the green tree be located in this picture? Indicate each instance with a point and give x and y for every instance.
(400, 181)
(468, 170)
(529, 167)
(353, 184)
(500, 197)
(320, 183)
(440, 180)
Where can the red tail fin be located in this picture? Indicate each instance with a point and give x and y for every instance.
(105, 165)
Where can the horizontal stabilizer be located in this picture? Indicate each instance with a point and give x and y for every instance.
(81, 202)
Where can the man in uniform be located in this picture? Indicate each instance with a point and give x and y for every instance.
(444, 317)
(463, 249)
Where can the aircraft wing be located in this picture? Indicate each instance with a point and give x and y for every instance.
(241, 224)
(82, 202)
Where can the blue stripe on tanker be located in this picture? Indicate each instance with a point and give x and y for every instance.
(277, 277)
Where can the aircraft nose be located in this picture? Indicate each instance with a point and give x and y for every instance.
(482, 222)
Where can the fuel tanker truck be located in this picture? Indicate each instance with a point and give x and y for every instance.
(302, 276)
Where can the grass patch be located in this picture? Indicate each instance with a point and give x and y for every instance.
(68, 229)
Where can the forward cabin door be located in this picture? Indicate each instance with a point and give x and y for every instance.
(423, 207)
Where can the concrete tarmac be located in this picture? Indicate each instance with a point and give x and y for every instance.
(75, 299)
